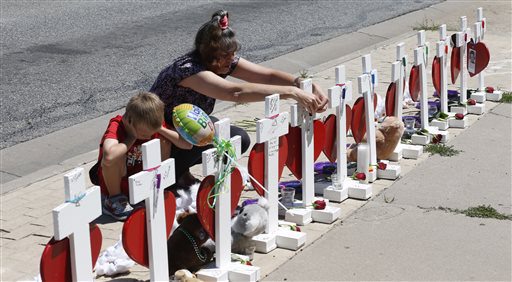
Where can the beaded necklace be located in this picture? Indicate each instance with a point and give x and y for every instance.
(194, 244)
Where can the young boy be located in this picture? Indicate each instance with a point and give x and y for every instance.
(120, 153)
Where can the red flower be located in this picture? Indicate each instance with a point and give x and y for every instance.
(248, 262)
(437, 138)
(382, 165)
(471, 102)
(360, 176)
(459, 116)
(489, 89)
(319, 204)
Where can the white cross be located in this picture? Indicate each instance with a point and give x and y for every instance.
(339, 95)
(72, 219)
(441, 48)
(418, 61)
(462, 40)
(480, 18)
(401, 59)
(478, 34)
(300, 117)
(366, 85)
(422, 43)
(214, 165)
(148, 186)
(268, 131)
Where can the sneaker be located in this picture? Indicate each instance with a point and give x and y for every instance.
(117, 207)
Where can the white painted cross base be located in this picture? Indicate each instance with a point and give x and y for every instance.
(440, 124)
(478, 109)
(397, 153)
(235, 272)
(494, 96)
(265, 243)
(290, 240)
(418, 139)
(299, 216)
(327, 215)
(479, 97)
(391, 172)
(340, 194)
(458, 123)
(360, 191)
(411, 151)
(459, 110)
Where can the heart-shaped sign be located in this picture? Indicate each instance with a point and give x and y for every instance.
(330, 137)
(455, 64)
(331, 130)
(436, 73)
(390, 99)
(55, 263)
(414, 83)
(135, 238)
(205, 213)
(256, 164)
(358, 125)
(294, 160)
(478, 57)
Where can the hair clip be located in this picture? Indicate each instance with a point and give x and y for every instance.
(223, 22)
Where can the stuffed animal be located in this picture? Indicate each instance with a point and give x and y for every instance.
(183, 275)
(387, 137)
(185, 247)
(250, 221)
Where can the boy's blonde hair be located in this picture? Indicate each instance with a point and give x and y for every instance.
(145, 109)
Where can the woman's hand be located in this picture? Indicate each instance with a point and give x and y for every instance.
(309, 101)
(321, 98)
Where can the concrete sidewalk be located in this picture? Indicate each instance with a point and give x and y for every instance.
(395, 241)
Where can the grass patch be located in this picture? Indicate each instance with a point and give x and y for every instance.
(481, 211)
(427, 24)
(506, 97)
(442, 150)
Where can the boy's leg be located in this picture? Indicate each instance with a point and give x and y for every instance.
(112, 174)
(116, 203)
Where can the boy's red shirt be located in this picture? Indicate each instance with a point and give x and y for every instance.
(116, 130)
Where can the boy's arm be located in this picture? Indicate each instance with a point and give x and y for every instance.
(175, 138)
(113, 149)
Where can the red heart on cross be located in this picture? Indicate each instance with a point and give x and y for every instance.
(414, 83)
(135, 238)
(294, 136)
(256, 164)
(436, 74)
(455, 64)
(331, 130)
(55, 262)
(205, 213)
(390, 99)
(478, 57)
(358, 125)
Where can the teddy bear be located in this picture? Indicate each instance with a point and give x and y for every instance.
(250, 221)
(387, 136)
(186, 247)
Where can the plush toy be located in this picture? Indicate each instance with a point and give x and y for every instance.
(387, 137)
(183, 275)
(250, 221)
(185, 247)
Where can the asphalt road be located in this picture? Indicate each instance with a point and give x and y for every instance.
(66, 62)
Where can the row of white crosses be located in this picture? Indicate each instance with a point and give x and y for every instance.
(268, 131)
(305, 214)
(223, 269)
(419, 61)
(398, 75)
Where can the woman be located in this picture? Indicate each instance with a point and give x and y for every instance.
(198, 78)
